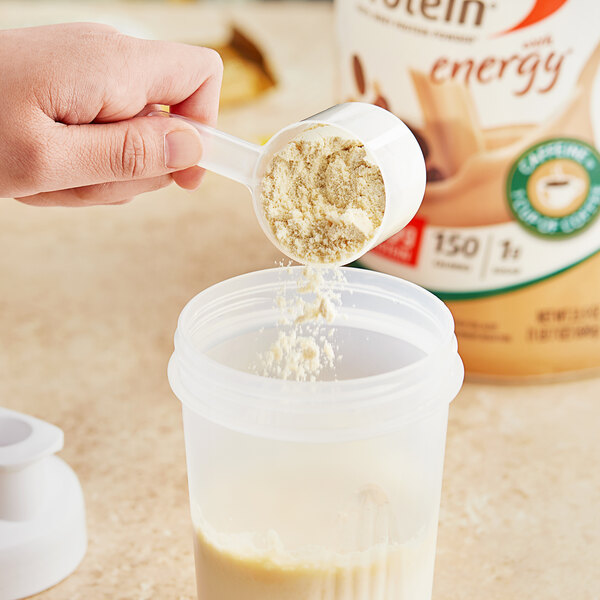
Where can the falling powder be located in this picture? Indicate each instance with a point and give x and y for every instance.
(303, 347)
(324, 201)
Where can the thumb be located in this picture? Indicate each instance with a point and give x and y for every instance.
(137, 148)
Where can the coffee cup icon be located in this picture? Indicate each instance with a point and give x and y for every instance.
(559, 190)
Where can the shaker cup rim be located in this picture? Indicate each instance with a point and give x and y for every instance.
(398, 396)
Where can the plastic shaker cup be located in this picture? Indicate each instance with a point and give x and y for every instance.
(388, 142)
(326, 489)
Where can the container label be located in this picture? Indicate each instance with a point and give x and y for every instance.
(469, 262)
(504, 99)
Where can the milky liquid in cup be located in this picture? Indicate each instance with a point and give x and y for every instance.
(372, 561)
(366, 549)
(505, 100)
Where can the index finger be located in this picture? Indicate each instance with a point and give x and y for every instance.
(203, 104)
(187, 78)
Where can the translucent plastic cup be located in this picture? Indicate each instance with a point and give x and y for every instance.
(325, 490)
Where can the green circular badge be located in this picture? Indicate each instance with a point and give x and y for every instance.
(553, 188)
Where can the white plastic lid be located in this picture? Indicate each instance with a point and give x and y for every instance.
(42, 515)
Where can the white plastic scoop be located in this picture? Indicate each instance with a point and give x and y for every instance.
(388, 142)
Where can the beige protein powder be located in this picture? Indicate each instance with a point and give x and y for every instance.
(304, 346)
(323, 199)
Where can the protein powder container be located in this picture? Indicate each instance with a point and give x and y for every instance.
(504, 97)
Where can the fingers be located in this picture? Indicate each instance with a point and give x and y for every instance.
(189, 179)
(157, 72)
(148, 109)
(139, 148)
(91, 195)
(203, 104)
(98, 132)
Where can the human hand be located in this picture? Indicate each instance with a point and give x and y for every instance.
(74, 129)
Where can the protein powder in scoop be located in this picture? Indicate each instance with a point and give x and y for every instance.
(323, 198)
(335, 184)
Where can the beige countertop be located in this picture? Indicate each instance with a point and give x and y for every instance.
(88, 306)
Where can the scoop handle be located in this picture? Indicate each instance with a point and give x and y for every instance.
(222, 153)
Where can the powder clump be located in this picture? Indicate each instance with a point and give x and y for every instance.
(323, 199)
(303, 346)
